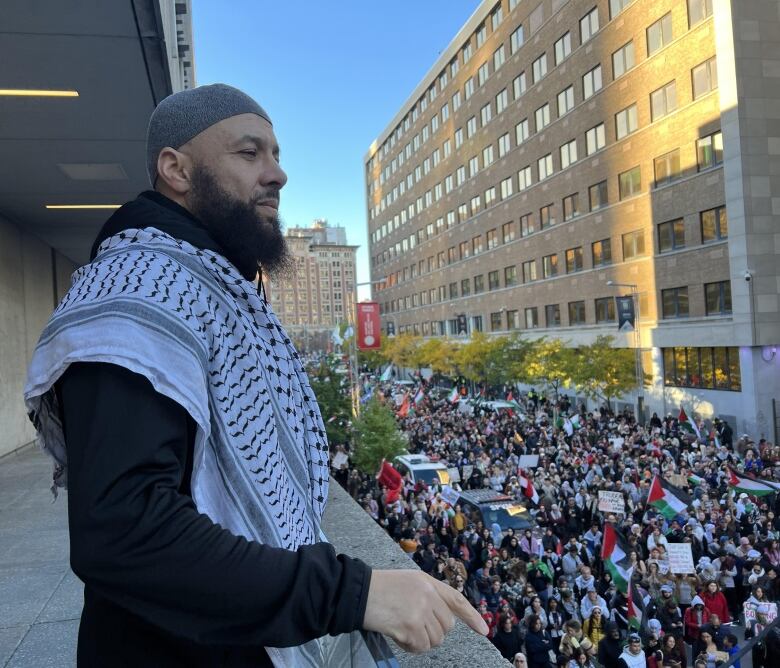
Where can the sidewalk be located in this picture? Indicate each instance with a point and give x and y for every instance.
(40, 598)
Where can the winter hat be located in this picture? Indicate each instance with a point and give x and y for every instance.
(697, 600)
(184, 115)
(655, 626)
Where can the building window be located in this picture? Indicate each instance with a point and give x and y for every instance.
(667, 168)
(476, 245)
(502, 101)
(602, 253)
(708, 368)
(527, 225)
(468, 89)
(709, 150)
(552, 315)
(531, 318)
(617, 6)
(508, 232)
(595, 139)
(467, 53)
(674, 303)
(482, 74)
(451, 255)
(512, 319)
(698, 10)
(499, 58)
(714, 225)
(473, 166)
(705, 77)
(495, 321)
(486, 113)
(479, 284)
(547, 216)
(510, 276)
(633, 244)
(565, 101)
(571, 206)
(516, 39)
(550, 266)
(521, 131)
(598, 196)
(540, 67)
(492, 239)
(562, 48)
(623, 60)
(663, 101)
(574, 260)
(529, 271)
(545, 166)
(524, 178)
(476, 323)
(671, 235)
(506, 188)
(496, 17)
(591, 82)
(630, 183)
(465, 287)
(487, 155)
(542, 116)
(576, 313)
(568, 153)
(659, 34)
(605, 309)
(718, 297)
(626, 122)
(465, 250)
(504, 145)
(589, 25)
(453, 290)
(493, 282)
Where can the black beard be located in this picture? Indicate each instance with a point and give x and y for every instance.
(249, 239)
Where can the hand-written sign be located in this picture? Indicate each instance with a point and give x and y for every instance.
(528, 461)
(680, 558)
(611, 502)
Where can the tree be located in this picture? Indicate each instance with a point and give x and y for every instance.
(374, 358)
(438, 354)
(402, 350)
(552, 364)
(603, 372)
(335, 405)
(494, 360)
(376, 437)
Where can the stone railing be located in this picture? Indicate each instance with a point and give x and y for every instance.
(352, 531)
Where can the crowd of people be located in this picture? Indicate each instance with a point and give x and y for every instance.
(545, 592)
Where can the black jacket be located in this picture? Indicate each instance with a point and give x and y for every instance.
(164, 585)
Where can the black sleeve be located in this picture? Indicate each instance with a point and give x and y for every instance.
(138, 540)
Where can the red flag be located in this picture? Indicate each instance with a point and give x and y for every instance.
(510, 397)
(404, 410)
(391, 479)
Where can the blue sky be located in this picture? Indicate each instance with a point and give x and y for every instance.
(331, 75)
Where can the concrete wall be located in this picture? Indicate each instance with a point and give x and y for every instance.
(33, 277)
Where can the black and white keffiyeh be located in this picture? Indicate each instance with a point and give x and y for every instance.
(186, 320)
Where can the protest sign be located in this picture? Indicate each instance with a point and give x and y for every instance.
(680, 558)
(454, 474)
(528, 461)
(449, 495)
(611, 502)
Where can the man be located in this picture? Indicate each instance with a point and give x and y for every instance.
(196, 458)
(633, 656)
(730, 644)
(610, 648)
(593, 600)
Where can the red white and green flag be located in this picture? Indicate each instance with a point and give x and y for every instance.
(615, 554)
(419, 396)
(750, 485)
(527, 486)
(669, 500)
(688, 425)
(636, 608)
(454, 396)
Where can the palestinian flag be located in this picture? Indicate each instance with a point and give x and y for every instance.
(668, 499)
(636, 609)
(686, 424)
(510, 397)
(750, 485)
(527, 486)
(614, 553)
(419, 396)
(715, 438)
(454, 396)
(694, 479)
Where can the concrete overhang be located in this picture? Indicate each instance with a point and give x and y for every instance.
(88, 149)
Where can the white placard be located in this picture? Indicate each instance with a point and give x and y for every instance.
(680, 558)
(449, 495)
(454, 474)
(611, 502)
(527, 461)
(468, 469)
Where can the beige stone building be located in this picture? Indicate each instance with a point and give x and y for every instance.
(320, 293)
(557, 148)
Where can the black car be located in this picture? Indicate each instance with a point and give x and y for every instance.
(495, 508)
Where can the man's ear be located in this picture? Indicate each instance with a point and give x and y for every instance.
(174, 169)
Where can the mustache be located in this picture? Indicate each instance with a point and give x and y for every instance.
(272, 193)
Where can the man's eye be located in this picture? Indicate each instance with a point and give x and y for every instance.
(249, 152)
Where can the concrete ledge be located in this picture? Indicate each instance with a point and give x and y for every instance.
(352, 531)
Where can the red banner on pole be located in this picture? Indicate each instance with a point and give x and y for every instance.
(368, 325)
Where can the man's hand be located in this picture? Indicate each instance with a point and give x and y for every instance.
(416, 610)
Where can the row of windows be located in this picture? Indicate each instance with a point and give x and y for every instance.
(659, 34)
(671, 236)
(707, 368)
(717, 300)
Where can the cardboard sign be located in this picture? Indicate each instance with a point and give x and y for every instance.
(528, 461)
(680, 558)
(611, 502)
(677, 479)
(449, 495)
(454, 474)
(468, 469)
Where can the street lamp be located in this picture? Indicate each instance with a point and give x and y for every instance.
(640, 378)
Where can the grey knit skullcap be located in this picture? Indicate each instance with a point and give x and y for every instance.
(184, 115)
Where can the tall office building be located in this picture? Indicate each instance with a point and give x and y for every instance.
(562, 153)
(320, 293)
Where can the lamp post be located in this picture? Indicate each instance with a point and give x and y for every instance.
(640, 378)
